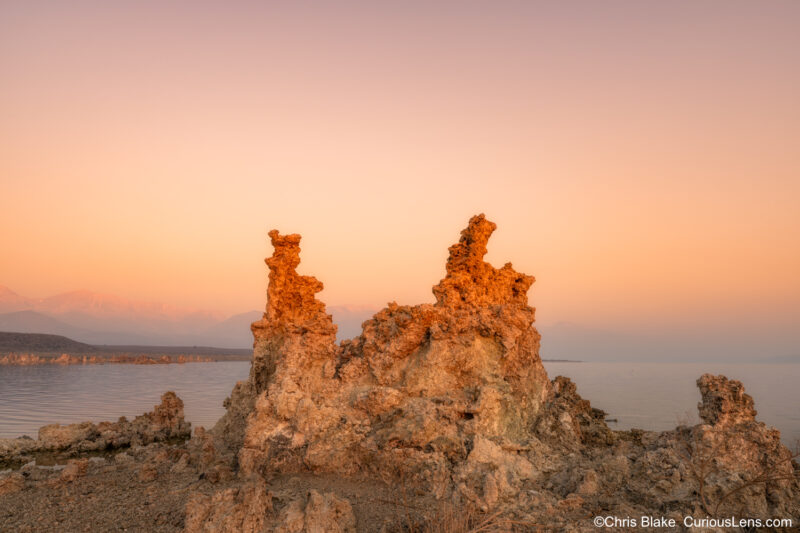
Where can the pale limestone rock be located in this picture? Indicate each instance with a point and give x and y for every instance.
(13, 482)
(589, 485)
(319, 513)
(247, 509)
(75, 468)
(724, 401)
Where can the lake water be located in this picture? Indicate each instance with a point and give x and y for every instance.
(33, 396)
(654, 396)
(659, 396)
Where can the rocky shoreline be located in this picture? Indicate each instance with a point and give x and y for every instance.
(438, 417)
(165, 423)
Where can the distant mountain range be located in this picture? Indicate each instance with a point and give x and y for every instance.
(38, 342)
(101, 319)
(44, 343)
(95, 318)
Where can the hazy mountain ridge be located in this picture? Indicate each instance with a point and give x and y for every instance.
(38, 342)
(96, 318)
(41, 343)
(35, 322)
(99, 304)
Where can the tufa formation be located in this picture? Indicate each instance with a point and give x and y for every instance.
(450, 400)
(412, 393)
(437, 417)
(164, 423)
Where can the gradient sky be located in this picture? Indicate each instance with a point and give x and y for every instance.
(641, 159)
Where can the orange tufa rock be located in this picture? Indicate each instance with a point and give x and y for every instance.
(413, 392)
(452, 399)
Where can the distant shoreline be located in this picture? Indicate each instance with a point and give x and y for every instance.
(32, 359)
(178, 355)
(28, 349)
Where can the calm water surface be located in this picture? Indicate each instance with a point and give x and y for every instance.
(33, 396)
(659, 396)
(654, 396)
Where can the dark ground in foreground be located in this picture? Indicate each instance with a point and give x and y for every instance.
(145, 489)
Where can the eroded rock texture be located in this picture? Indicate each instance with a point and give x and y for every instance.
(412, 392)
(165, 422)
(451, 398)
(724, 401)
(250, 509)
(295, 346)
